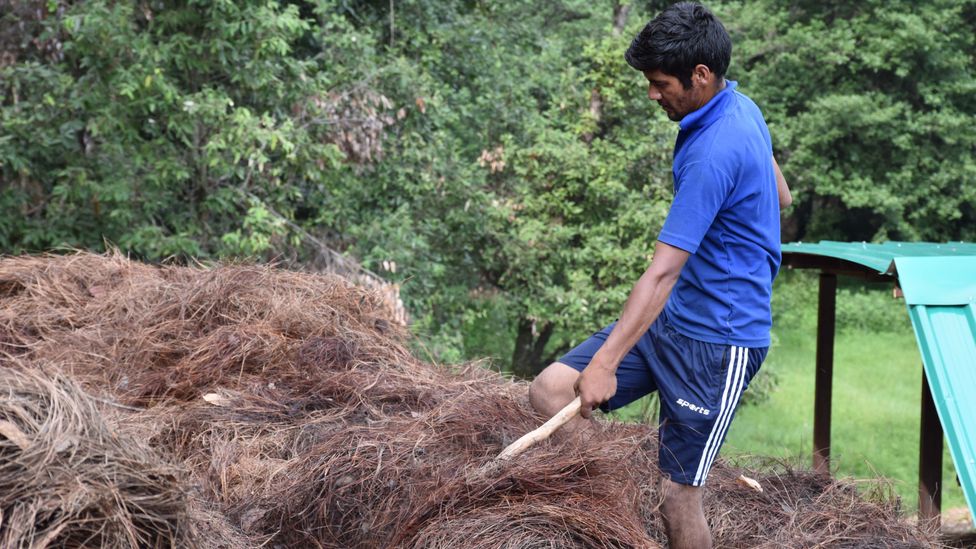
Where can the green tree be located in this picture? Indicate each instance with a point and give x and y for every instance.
(171, 128)
(498, 160)
(871, 107)
(512, 192)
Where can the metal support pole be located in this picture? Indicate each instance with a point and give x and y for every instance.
(826, 321)
(929, 460)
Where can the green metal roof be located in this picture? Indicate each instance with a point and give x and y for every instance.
(939, 284)
(941, 296)
(879, 256)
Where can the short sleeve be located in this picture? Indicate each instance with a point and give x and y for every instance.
(701, 191)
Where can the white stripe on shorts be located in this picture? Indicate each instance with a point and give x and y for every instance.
(727, 420)
(732, 382)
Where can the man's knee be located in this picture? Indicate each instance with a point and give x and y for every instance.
(680, 499)
(553, 388)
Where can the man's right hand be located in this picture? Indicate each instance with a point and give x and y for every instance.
(595, 386)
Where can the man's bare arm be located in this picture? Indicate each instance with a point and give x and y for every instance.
(785, 198)
(598, 381)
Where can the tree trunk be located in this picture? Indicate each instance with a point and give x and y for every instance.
(528, 359)
(620, 13)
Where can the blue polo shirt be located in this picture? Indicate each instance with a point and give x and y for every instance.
(725, 213)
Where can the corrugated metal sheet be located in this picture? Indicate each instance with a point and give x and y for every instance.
(879, 256)
(939, 284)
(941, 296)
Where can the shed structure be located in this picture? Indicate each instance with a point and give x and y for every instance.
(938, 282)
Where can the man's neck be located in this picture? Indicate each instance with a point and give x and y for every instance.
(712, 92)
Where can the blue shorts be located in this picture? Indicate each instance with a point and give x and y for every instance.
(699, 385)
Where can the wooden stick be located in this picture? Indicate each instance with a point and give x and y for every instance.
(749, 483)
(561, 418)
(15, 435)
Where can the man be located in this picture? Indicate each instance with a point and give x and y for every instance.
(696, 325)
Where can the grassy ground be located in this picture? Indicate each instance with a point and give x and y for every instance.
(875, 413)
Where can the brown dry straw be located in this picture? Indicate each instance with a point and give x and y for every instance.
(167, 333)
(68, 480)
(301, 420)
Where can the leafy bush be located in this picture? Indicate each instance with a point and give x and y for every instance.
(860, 306)
(871, 309)
(500, 154)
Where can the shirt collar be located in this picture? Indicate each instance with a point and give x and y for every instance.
(711, 111)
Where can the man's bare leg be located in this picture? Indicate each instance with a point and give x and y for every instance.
(552, 390)
(684, 516)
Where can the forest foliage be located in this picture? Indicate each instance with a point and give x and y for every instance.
(497, 159)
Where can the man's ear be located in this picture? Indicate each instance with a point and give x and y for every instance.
(702, 75)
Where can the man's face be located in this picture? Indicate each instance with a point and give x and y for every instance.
(668, 92)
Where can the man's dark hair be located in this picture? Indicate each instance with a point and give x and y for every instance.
(679, 38)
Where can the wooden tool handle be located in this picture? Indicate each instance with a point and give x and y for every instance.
(561, 418)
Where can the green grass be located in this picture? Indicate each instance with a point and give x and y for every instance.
(875, 411)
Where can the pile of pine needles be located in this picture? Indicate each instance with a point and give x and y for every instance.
(67, 479)
(247, 406)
